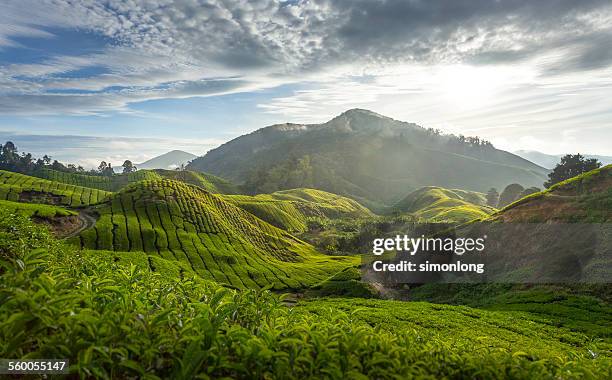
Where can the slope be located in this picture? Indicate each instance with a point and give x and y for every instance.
(365, 156)
(559, 235)
(291, 209)
(114, 183)
(586, 198)
(206, 181)
(436, 204)
(19, 187)
(218, 240)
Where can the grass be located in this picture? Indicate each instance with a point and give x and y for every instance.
(437, 205)
(216, 239)
(291, 209)
(19, 187)
(116, 319)
(35, 210)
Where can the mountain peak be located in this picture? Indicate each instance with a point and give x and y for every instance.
(359, 112)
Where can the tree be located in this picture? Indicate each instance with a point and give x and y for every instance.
(102, 167)
(570, 166)
(510, 194)
(528, 191)
(128, 167)
(492, 197)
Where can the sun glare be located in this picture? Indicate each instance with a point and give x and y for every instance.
(469, 87)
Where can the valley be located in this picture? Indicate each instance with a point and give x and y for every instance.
(178, 256)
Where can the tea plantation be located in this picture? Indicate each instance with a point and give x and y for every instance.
(20, 187)
(291, 209)
(117, 320)
(218, 240)
(105, 183)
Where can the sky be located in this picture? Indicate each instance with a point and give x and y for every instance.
(111, 80)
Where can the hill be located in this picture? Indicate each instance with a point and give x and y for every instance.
(23, 188)
(550, 160)
(153, 322)
(218, 240)
(171, 160)
(366, 156)
(558, 235)
(436, 204)
(291, 209)
(116, 182)
(206, 181)
(586, 198)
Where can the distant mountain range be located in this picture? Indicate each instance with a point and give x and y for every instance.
(550, 160)
(170, 160)
(369, 157)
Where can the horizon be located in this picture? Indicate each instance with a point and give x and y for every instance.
(133, 81)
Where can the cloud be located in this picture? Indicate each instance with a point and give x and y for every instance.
(158, 49)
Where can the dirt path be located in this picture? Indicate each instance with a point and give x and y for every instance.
(87, 221)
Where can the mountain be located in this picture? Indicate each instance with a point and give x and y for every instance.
(436, 204)
(170, 160)
(550, 160)
(366, 156)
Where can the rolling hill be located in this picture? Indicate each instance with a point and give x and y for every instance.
(291, 209)
(24, 188)
(436, 204)
(366, 156)
(116, 182)
(217, 240)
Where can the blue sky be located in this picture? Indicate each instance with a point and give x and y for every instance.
(137, 79)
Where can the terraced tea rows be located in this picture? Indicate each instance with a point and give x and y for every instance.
(208, 182)
(219, 240)
(36, 210)
(113, 183)
(19, 187)
(289, 209)
(437, 204)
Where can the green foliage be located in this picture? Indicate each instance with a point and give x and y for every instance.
(510, 194)
(106, 183)
(438, 205)
(346, 283)
(20, 187)
(591, 190)
(35, 210)
(216, 239)
(116, 319)
(570, 166)
(292, 209)
(208, 182)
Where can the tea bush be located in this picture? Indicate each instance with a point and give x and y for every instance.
(124, 321)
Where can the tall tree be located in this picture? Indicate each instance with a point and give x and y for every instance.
(570, 166)
(128, 167)
(510, 194)
(492, 197)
